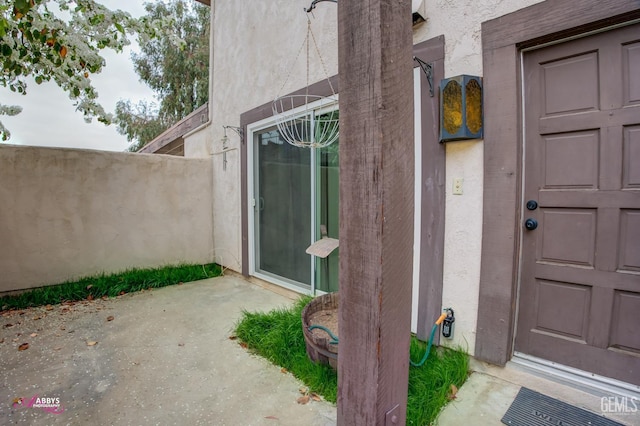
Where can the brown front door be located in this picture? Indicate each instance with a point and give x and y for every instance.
(579, 301)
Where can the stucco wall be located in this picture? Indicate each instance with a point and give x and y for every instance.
(254, 49)
(253, 52)
(460, 22)
(67, 213)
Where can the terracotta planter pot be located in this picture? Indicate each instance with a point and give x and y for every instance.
(319, 348)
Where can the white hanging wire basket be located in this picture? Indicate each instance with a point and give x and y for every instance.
(307, 128)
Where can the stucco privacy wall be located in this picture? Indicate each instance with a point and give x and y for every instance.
(67, 213)
(253, 55)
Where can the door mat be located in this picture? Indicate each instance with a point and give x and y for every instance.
(531, 408)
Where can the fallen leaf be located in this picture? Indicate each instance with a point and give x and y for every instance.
(49, 308)
(58, 348)
(110, 318)
(233, 337)
(90, 286)
(23, 347)
(180, 344)
(8, 325)
(304, 390)
(92, 343)
(284, 370)
(33, 334)
(104, 297)
(36, 318)
(63, 51)
(90, 297)
(2, 340)
(315, 397)
(271, 417)
(122, 292)
(243, 345)
(452, 392)
(17, 401)
(303, 400)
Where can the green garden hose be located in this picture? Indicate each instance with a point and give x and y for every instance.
(334, 338)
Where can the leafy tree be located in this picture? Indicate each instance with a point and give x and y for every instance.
(178, 74)
(140, 122)
(61, 40)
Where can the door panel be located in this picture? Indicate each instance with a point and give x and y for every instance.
(560, 150)
(283, 208)
(568, 236)
(631, 68)
(328, 215)
(579, 301)
(559, 88)
(631, 165)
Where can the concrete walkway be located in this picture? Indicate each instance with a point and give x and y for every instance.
(164, 357)
(489, 391)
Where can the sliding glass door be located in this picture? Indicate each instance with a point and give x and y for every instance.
(295, 203)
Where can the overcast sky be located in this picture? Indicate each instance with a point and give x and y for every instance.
(49, 118)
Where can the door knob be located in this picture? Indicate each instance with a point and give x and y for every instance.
(531, 224)
(532, 205)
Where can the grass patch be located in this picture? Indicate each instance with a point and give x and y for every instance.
(109, 285)
(277, 336)
(430, 385)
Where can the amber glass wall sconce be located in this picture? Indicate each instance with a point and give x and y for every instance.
(461, 108)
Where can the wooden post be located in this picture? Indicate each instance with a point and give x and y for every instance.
(376, 210)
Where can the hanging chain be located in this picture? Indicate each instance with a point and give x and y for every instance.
(306, 43)
(308, 55)
(324, 66)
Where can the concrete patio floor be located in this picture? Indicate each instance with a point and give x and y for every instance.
(164, 357)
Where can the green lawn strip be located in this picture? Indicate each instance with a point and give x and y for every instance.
(109, 285)
(430, 385)
(277, 336)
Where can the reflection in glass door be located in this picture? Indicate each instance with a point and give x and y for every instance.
(327, 214)
(282, 209)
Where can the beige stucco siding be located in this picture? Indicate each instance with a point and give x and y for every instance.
(253, 53)
(254, 49)
(66, 213)
(460, 22)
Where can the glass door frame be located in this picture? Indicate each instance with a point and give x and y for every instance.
(313, 108)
